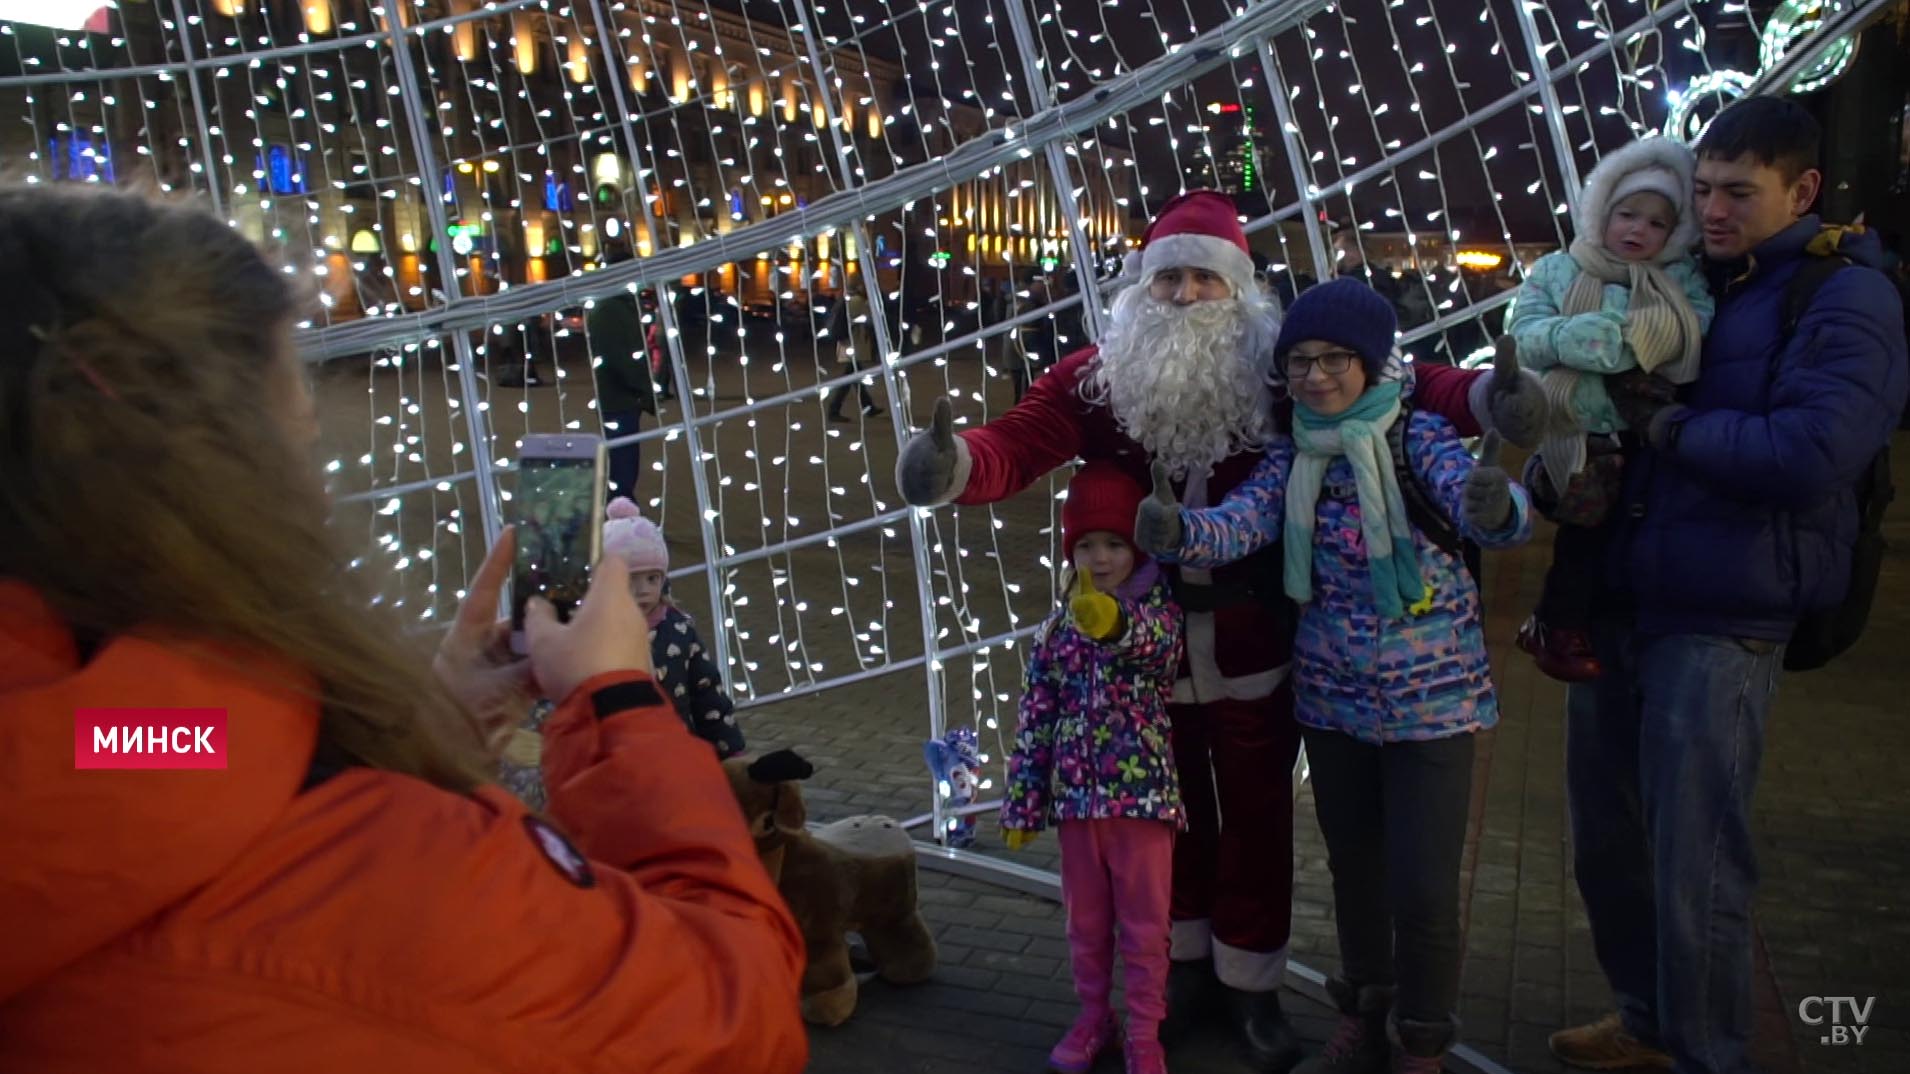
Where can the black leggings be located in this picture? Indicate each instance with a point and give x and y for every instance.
(1394, 818)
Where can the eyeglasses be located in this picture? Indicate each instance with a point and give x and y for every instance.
(1331, 362)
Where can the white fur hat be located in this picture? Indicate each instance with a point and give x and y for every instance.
(1656, 164)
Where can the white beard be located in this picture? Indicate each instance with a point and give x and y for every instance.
(1188, 383)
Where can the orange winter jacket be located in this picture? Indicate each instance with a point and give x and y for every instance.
(240, 921)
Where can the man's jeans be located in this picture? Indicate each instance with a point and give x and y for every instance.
(1661, 762)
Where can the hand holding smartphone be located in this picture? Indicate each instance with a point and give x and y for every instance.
(607, 634)
(558, 513)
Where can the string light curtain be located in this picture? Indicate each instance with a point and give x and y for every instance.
(450, 176)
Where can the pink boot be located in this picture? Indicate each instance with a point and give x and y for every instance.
(1090, 1035)
(1144, 1055)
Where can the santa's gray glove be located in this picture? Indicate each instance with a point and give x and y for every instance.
(925, 470)
(1487, 500)
(1157, 527)
(1515, 401)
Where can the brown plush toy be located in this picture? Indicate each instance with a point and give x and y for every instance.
(856, 875)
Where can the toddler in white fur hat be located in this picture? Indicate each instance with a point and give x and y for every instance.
(1618, 316)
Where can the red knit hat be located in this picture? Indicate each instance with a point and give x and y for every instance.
(1100, 497)
(1198, 229)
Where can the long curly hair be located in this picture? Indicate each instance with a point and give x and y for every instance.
(148, 483)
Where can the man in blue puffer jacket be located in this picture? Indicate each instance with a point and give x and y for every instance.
(1739, 515)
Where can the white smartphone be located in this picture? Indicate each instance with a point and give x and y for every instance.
(558, 509)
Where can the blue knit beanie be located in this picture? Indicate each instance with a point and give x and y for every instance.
(1343, 311)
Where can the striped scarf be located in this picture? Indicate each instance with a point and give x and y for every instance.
(1660, 327)
(1359, 433)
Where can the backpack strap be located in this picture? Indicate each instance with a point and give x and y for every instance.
(1811, 277)
(1422, 506)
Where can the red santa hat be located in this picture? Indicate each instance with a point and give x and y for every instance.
(1198, 229)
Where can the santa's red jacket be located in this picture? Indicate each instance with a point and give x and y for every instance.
(1241, 650)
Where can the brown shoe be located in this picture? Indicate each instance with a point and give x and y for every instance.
(1606, 1045)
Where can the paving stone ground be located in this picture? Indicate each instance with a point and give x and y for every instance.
(1832, 839)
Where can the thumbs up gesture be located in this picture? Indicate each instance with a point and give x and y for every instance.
(1514, 399)
(1488, 493)
(1157, 526)
(925, 470)
(1095, 614)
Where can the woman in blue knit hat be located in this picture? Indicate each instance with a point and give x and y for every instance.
(1390, 673)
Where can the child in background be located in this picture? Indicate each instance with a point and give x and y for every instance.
(1390, 673)
(1091, 755)
(684, 669)
(1626, 299)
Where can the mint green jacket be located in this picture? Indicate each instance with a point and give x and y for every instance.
(1588, 342)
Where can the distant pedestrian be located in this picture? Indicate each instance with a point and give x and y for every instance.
(622, 367)
(851, 336)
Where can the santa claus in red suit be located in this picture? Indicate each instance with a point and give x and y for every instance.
(1181, 376)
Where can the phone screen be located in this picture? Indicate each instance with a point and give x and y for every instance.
(555, 514)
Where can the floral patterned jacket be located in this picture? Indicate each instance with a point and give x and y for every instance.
(1092, 741)
(1421, 676)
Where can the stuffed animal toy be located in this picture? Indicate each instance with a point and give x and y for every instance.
(855, 875)
(955, 760)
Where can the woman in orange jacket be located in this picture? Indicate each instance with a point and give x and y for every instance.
(346, 893)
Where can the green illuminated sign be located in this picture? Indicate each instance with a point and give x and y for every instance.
(1246, 166)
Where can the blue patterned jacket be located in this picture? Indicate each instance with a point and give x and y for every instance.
(1379, 680)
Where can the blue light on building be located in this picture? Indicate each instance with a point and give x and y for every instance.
(283, 172)
(76, 156)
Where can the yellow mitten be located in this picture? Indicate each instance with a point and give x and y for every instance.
(1095, 613)
(1016, 838)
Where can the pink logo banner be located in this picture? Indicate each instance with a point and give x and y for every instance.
(149, 738)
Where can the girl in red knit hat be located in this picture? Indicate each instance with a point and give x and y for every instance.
(1091, 755)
